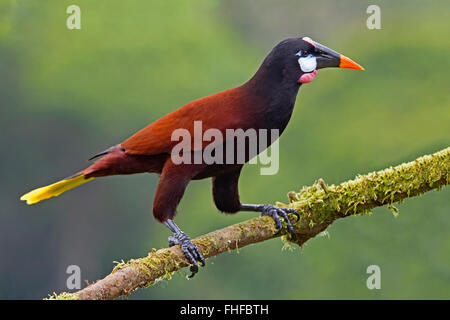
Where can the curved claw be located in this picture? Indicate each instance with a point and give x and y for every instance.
(277, 212)
(293, 211)
(190, 251)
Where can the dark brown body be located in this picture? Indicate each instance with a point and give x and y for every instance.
(266, 102)
(258, 104)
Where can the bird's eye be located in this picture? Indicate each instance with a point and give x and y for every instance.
(302, 53)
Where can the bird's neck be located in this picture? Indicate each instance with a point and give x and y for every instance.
(275, 92)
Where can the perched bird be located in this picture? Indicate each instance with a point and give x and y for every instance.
(266, 101)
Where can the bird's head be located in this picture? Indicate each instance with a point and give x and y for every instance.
(301, 58)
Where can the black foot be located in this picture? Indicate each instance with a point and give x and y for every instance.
(277, 213)
(189, 249)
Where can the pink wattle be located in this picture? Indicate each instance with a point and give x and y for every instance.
(307, 77)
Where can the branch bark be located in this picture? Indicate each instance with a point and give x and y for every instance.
(319, 205)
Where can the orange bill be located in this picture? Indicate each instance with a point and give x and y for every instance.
(349, 63)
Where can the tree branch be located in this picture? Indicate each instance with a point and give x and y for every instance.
(319, 205)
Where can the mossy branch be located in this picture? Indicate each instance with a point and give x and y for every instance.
(319, 206)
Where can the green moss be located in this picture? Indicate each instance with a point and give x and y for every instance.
(119, 265)
(321, 204)
(62, 296)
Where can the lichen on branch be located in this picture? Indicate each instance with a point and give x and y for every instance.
(319, 205)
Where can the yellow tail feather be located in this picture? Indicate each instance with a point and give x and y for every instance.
(53, 190)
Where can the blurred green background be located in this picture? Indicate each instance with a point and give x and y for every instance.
(67, 94)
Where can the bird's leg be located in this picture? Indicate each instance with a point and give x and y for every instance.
(276, 213)
(190, 250)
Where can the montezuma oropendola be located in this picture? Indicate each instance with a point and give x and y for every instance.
(265, 101)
